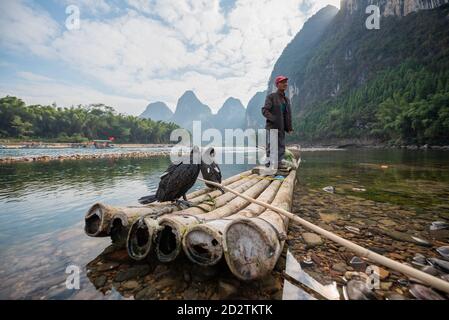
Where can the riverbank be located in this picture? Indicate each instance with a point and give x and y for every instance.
(58, 153)
(77, 156)
(62, 145)
(392, 147)
(129, 151)
(328, 145)
(368, 144)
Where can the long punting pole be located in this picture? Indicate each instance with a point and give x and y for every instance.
(375, 257)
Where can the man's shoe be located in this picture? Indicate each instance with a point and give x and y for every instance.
(282, 166)
(267, 172)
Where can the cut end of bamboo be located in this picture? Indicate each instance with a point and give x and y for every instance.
(118, 229)
(140, 238)
(249, 250)
(202, 245)
(96, 222)
(168, 241)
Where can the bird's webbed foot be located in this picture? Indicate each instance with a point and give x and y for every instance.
(183, 203)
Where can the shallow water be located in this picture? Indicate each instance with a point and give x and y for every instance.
(419, 179)
(42, 206)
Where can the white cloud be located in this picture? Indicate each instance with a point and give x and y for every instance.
(32, 76)
(146, 6)
(316, 5)
(26, 27)
(198, 21)
(124, 51)
(159, 48)
(36, 89)
(91, 6)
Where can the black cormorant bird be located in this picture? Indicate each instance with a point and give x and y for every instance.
(209, 169)
(176, 181)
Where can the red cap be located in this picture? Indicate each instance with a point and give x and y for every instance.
(280, 79)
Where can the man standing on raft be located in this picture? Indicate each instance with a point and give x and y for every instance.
(277, 111)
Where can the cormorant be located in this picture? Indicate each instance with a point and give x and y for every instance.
(176, 181)
(209, 169)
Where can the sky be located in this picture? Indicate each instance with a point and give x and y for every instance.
(128, 53)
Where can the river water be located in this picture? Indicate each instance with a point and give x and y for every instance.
(42, 206)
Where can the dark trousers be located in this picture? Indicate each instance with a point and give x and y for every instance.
(275, 156)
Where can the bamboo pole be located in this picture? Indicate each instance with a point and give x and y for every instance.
(168, 241)
(97, 220)
(122, 221)
(267, 196)
(194, 195)
(141, 235)
(363, 252)
(252, 246)
(139, 241)
(202, 242)
(100, 218)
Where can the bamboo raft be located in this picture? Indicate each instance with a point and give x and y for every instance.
(218, 226)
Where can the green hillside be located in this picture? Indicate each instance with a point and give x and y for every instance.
(389, 85)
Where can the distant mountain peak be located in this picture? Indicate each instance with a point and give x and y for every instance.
(254, 118)
(189, 108)
(189, 94)
(157, 111)
(231, 115)
(232, 103)
(190, 100)
(231, 100)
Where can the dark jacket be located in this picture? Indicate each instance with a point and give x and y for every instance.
(272, 111)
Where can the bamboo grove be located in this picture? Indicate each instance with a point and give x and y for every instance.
(77, 124)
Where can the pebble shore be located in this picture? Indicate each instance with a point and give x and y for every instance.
(118, 155)
(396, 232)
(113, 270)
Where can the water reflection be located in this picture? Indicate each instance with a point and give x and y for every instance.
(40, 197)
(294, 270)
(293, 292)
(35, 268)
